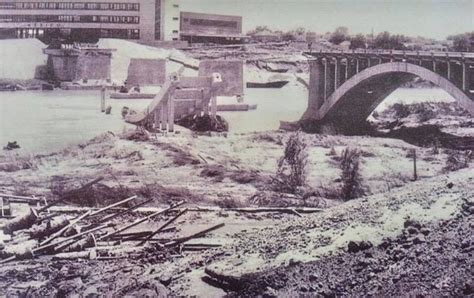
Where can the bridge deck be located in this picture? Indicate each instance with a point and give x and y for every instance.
(395, 53)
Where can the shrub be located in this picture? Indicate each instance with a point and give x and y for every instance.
(457, 160)
(292, 166)
(350, 177)
(425, 113)
(401, 110)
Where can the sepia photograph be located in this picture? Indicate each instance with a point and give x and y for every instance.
(236, 148)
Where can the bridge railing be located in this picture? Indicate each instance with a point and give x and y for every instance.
(439, 54)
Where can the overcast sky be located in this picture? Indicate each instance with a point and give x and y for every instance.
(429, 18)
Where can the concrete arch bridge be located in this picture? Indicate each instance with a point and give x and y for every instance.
(346, 87)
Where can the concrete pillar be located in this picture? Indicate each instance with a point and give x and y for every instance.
(448, 70)
(434, 65)
(171, 113)
(357, 65)
(164, 116)
(326, 79)
(346, 70)
(213, 106)
(317, 84)
(464, 76)
(157, 115)
(199, 103)
(368, 62)
(337, 73)
(329, 79)
(102, 99)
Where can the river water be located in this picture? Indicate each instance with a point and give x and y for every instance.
(46, 121)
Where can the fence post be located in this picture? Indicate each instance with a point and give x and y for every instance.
(102, 99)
(415, 176)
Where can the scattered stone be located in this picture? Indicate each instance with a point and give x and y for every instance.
(11, 146)
(356, 246)
(412, 223)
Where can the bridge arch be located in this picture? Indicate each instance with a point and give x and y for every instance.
(349, 105)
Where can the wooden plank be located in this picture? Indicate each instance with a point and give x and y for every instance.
(162, 227)
(113, 205)
(196, 235)
(139, 221)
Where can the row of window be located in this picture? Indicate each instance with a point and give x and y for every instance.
(68, 19)
(64, 33)
(70, 5)
(211, 23)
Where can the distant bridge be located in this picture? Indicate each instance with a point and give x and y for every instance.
(346, 86)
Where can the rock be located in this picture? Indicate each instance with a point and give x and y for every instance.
(419, 239)
(353, 246)
(412, 230)
(412, 223)
(468, 288)
(425, 231)
(11, 146)
(450, 185)
(165, 279)
(313, 277)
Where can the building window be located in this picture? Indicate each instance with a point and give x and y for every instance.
(175, 31)
(157, 20)
(175, 19)
(71, 5)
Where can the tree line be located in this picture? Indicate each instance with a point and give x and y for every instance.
(384, 40)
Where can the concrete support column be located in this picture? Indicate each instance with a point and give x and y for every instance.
(156, 117)
(464, 76)
(326, 78)
(330, 79)
(368, 63)
(317, 84)
(213, 106)
(337, 73)
(357, 65)
(171, 114)
(346, 70)
(434, 65)
(164, 116)
(448, 70)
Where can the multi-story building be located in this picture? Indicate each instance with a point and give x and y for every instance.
(210, 28)
(147, 21)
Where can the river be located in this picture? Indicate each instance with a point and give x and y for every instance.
(46, 121)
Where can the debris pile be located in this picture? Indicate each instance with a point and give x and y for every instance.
(93, 234)
(204, 123)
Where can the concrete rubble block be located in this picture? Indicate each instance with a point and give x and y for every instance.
(231, 72)
(146, 72)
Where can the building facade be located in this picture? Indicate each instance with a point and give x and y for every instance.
(210, 28)
(146, 21)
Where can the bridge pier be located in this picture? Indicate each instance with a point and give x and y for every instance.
(317, 90)
(448, 70)
(464, 77)
(337, 73)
